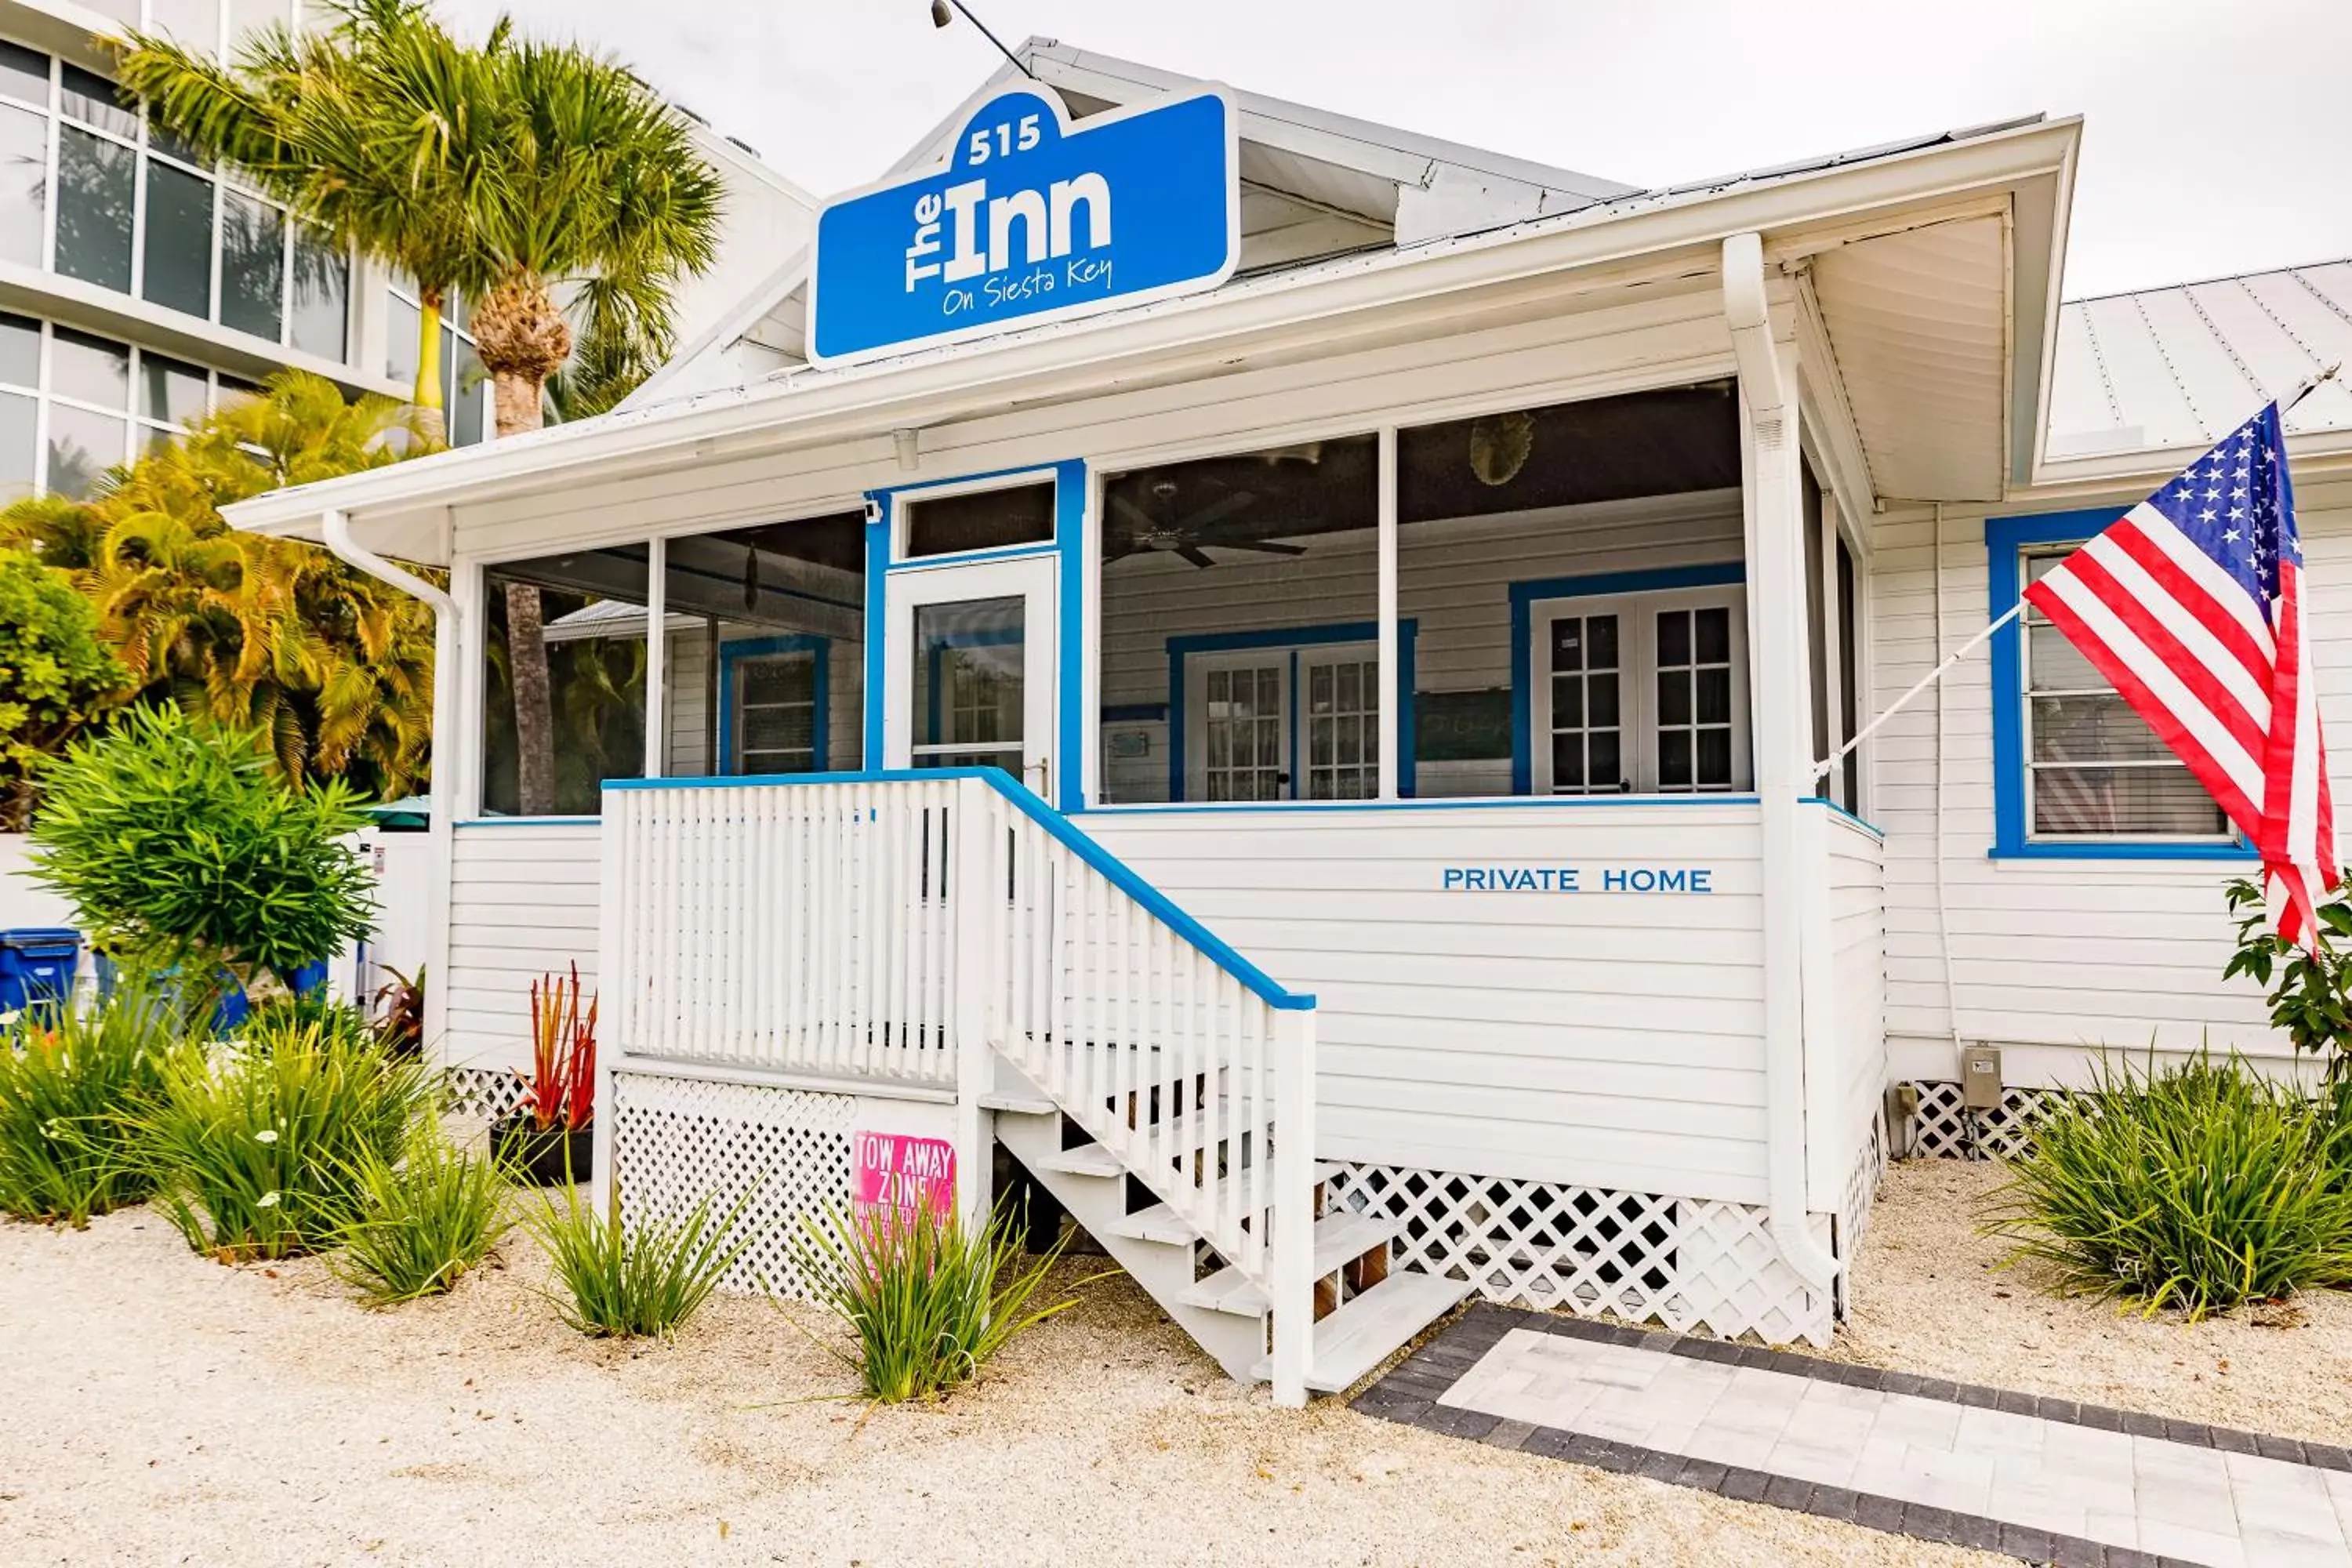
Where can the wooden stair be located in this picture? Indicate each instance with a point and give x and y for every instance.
(1365, 1308)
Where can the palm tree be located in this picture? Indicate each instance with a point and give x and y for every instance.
(296, 113)
(272, 633)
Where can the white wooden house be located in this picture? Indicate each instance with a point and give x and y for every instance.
(1413, 652)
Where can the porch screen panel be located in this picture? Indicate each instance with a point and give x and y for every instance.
(1525, 538)
(765, 629)
(1239, 639)
(563, 704)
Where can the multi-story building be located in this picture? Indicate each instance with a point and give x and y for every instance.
(139, 285)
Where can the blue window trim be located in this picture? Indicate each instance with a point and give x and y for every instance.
(1069, 480)
(1524, 599)
(1291, 638)
(820, 723)
(2005, 537)
(1124, 877)
(1440, 803)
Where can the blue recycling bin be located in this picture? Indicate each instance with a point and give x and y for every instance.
(36, 965)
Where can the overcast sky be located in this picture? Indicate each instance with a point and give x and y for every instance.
(2218, 137)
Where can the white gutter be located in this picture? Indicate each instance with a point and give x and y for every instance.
(1781, 741)
(335, 531)
(1296, 306)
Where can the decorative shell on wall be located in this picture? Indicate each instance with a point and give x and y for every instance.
(1500, 445)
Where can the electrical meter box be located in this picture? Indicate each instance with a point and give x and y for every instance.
(1980, 1079)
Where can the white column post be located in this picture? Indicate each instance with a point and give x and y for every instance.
(615, 839)
(1780, 689)
(1293, 1250)
(1393, 699)
(975, 825)
(658, 663)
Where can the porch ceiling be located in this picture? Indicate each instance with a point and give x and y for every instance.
(1919, 321)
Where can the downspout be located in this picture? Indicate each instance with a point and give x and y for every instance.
(1781, 757)
(335, 531)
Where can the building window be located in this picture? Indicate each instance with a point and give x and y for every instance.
(776, 707)
(67, 412)
(92, 192)
(1641, 693)
(2077, 773)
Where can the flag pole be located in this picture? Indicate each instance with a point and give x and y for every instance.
(1923, 682)
(1822, 771)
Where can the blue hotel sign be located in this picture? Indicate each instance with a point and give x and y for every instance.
(1032, 220)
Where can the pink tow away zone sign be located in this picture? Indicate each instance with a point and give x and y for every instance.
(890, 1171)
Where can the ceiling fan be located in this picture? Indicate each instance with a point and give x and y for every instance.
(1184, 539)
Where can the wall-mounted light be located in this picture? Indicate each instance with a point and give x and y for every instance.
(941, 15)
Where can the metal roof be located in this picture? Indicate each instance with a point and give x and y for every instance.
(2185, 365)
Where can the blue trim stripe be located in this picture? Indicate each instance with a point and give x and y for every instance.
(1292, 638)
(1071, 492)
(539, 821)
(1466, 803)
(1117, 871)
(820, 723)
(1834, 809)
(2005, 538)
(878, 626)
(1524, 596)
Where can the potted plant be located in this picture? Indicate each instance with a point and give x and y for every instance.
(548, 1139)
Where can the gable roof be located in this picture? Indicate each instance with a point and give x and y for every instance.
(2182, 366)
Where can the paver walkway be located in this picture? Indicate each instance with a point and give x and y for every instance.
(2048, 1480)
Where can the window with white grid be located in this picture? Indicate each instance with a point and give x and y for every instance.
(1343, 726)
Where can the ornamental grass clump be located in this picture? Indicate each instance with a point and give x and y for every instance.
(928, 1300)
(646, 1280)
(74, 1083)
(257, 1148)
(423, 1222)
(2197, 1188)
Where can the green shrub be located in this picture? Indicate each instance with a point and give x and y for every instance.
(2197, 1188)
(73, 1085)
(174, 841)
(621, 1282)
(928, 1300)
(423, 1223)
(56, 676)
(2309, 990)
(258, 1151)
(286, 1017)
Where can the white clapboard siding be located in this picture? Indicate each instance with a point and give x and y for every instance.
(1453, 581)
(2051, 954)
(522, 903)
(1609, 1039)
(689, 702)
(1856, 1051)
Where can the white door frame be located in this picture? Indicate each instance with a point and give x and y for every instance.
(1032, 579)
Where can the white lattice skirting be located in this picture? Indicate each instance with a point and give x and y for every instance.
(1942, 1128)
(487, 1092)
(1683, 1262)
(677, 1141)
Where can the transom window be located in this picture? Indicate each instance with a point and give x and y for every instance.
(1642, 693)
(2094, 769)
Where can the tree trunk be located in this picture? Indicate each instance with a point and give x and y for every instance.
(534, 713)
(523, 338)
(427, 395)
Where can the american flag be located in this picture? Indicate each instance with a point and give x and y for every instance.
(2191, 604)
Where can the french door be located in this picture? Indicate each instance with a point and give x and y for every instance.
(1641, 693)
(1284, 724)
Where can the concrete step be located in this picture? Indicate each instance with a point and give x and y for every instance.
(1340, 1238)
(1366, 1331)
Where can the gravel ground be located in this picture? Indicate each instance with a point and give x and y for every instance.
(1930, 1297)
(155, 1408)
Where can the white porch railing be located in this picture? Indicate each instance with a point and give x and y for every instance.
(894, 928)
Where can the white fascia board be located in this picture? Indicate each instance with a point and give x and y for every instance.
(2140, 473)
(808, 407)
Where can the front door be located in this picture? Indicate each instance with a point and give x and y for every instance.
(969, 660)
